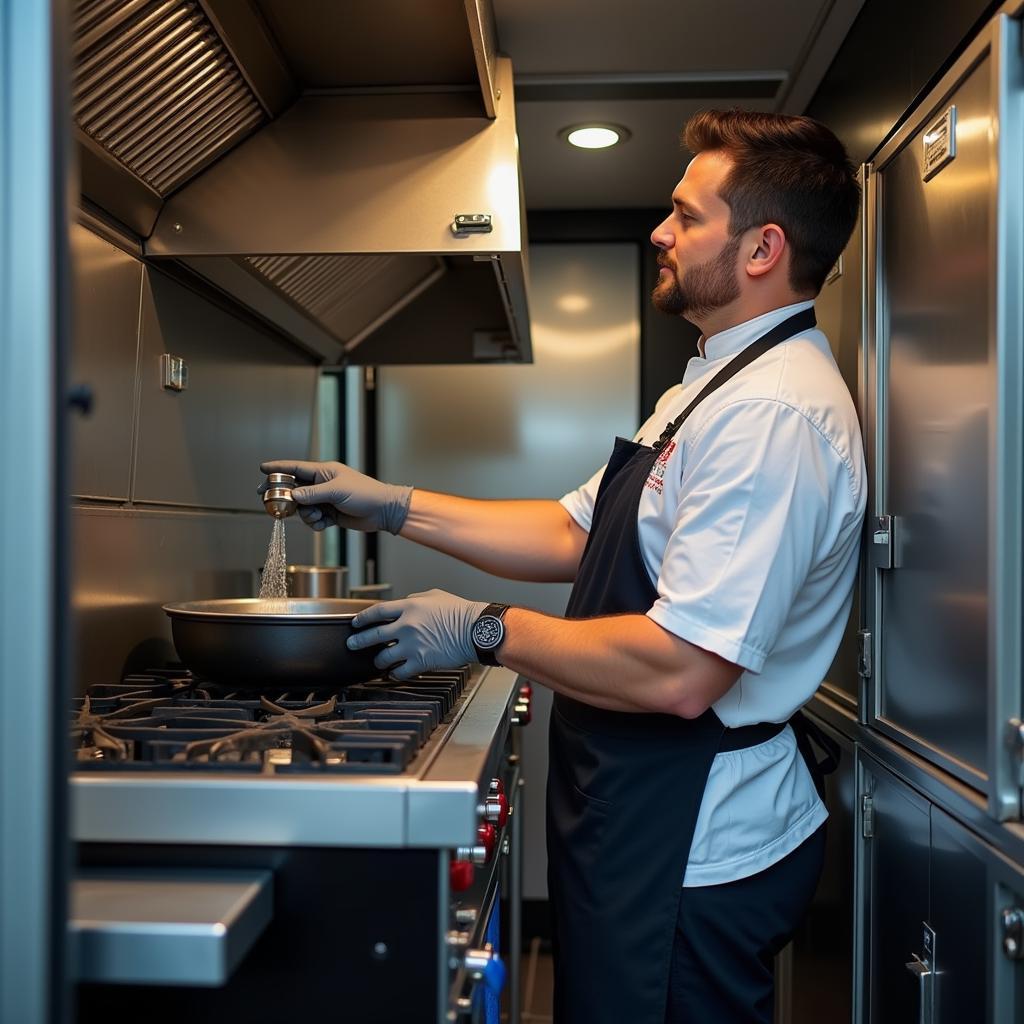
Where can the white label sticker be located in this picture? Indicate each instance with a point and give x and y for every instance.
(939, 144)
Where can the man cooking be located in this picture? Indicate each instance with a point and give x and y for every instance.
(712, 561)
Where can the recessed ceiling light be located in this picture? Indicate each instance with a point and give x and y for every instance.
(594, 136)
(573, 302)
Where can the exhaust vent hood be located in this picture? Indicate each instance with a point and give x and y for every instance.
(369, 209)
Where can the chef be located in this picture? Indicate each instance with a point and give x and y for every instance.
(712, 561)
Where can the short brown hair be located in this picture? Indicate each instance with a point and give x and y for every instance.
(790, 171)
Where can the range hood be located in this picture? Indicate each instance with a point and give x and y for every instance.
(371, 209)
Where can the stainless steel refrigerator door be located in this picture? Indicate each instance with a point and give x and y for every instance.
(946, 318)
(893, 878)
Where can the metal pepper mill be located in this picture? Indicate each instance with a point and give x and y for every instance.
(277, 498)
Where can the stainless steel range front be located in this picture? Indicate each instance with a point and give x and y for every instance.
(252, 855)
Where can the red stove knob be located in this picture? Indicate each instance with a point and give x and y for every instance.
(496, 810)
(525, 692)
(460, 875)
(487, 837)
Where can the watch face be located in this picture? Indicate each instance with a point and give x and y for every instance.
(488, 632)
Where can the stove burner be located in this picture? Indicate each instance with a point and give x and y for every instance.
(167, 720)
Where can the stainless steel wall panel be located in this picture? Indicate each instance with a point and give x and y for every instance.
(250, 397)
(894, 874)
(127, 563)
(107, 285)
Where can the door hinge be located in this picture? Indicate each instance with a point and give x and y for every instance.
(867, 816)
(1013, 932)
(885, 542)
(1017, 742)
(864, 653)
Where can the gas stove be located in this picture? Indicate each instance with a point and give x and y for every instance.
(167, 720)
(364, 835)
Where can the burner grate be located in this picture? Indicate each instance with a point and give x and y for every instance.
(168, 720)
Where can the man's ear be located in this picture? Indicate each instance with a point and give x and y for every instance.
(769, 244)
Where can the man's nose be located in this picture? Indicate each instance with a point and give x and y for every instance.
(661, 236)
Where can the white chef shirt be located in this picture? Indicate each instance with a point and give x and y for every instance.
(750, 525)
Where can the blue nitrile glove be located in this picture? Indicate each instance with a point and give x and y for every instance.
(425, 632)
(333, 494)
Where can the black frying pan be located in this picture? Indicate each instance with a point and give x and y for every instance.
(288, 643)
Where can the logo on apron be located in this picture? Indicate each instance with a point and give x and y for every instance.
(656, 478)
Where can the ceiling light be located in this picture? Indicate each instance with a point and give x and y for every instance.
(594, 136)
(573, 302)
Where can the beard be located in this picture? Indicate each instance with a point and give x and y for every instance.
(704, 288)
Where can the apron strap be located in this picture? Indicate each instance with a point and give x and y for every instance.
(795, 324)
(806, 733)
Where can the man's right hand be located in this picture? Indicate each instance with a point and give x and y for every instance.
(333, 494)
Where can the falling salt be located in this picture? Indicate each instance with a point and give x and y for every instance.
(274, 585)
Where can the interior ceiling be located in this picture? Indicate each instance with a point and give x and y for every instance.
(649, 66)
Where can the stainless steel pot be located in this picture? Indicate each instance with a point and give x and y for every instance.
(287, 644)
(317, 581)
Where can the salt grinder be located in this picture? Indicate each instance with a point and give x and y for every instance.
(277, 498)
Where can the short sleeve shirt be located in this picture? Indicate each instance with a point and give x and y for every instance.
(750, 525)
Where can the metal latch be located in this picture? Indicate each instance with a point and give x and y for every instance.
(1013, 932)
(923, 968)
(471, 224)
(867, 816)
(864, 653)
(173, 372)
(883, 543)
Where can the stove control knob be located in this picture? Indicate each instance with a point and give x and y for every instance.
(487, 837)
(460, 875)
(485, 965)
(496, 787)
(496, 810)
(466, 915)
(526, 691)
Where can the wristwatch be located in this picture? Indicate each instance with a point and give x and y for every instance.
(488, 632)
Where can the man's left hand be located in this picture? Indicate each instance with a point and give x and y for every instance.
(424, 632)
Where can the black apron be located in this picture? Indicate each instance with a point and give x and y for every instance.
(624, 789)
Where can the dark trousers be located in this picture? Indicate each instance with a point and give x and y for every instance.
(727, 937)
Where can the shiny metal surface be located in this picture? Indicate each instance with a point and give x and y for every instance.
(252, 609)
(155, 86)
(948, 343)
(358, 177)
(254, 644)
(107, 285)
(839, 308)
(963, 912)
(348, 295)
(130, 562)
(203, 447)
(434, 804)
(317, 581)
(34, 332)
(935, 239)
(277, 498)
(188, 927)
(895, 864)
